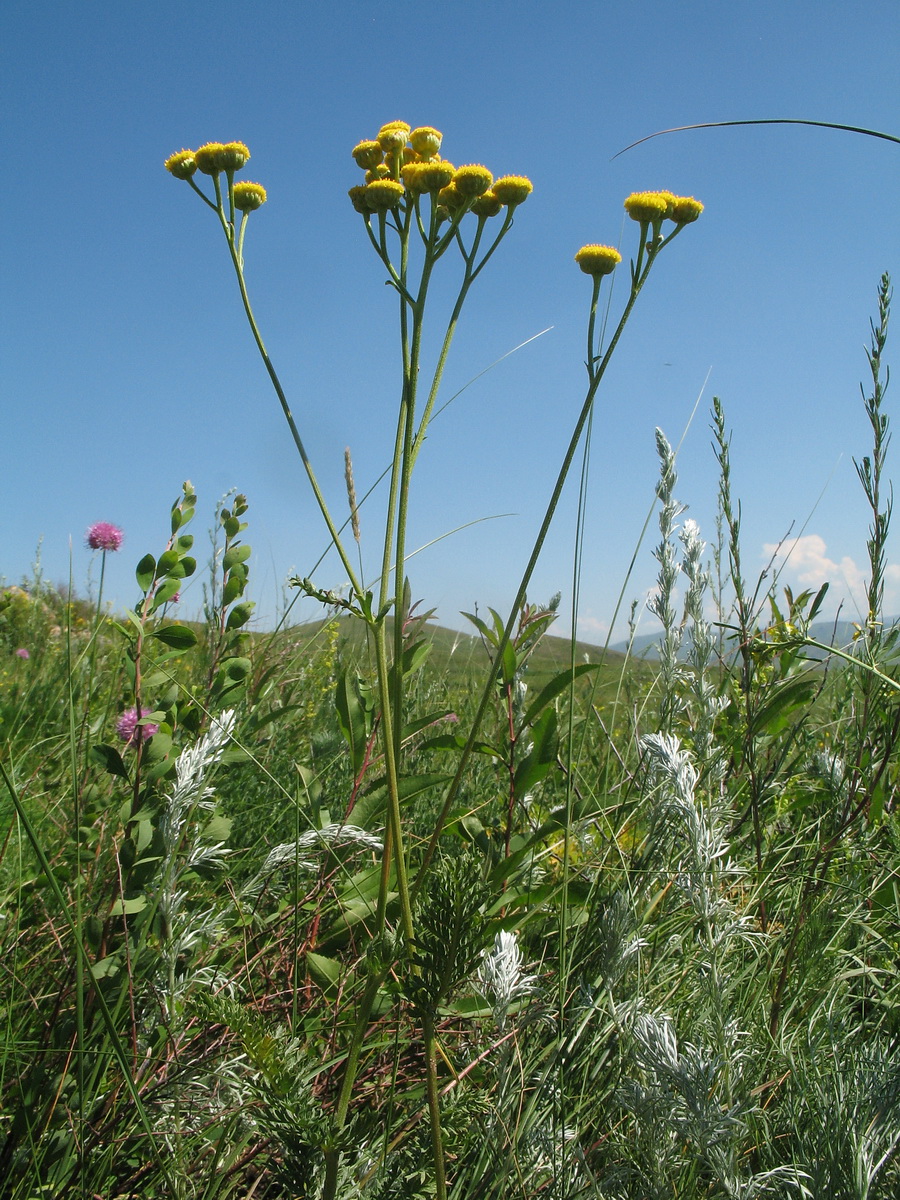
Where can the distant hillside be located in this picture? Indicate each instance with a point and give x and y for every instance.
(831, 633)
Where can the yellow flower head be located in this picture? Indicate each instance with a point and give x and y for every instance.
(367, 155)
(426, 141)
(392, 140)
(486, 205)
(182, 165)
(598, 260)
(472, 180)
(685, 209)
(435, 175)
(408, 155)
(208, 157)
(451, 197)
(384, 194)
(647, 206)
(512, 189)
(358, 199)
(411, 175)
(249, 196)
(233, 156)
(401, 125)
(382, 171)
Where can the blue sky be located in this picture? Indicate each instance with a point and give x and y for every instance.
(126, 365)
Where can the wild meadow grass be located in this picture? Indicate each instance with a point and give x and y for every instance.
(366, 908)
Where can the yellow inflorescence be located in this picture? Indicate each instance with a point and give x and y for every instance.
(685, 209)
(598, 260)
(384, 194)
(408, 162)
(392, 140)
(208, 157)
(647, 206)
(435, 175)
(486, 205)
(367, 155)
(249, 196)
(512, 189)
(358, 199)
(233, 156)
(411, 176)
(182, 165)
(472, 180)
(404, 126)
(426, 141)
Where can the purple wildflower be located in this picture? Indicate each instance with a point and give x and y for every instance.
(103, 536)
(22, 653)
(128, 729)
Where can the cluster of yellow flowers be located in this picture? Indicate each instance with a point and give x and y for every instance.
(402, 162)
(648, 208)
(212, 159)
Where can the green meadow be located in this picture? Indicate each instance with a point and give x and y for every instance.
(372, 908)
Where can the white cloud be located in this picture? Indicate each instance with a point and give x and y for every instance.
(593, 628)
(804, 561)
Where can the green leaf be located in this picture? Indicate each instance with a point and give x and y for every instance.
(122, 907)
(371, 803)
(234, 555)
(232, 526)
(354, 717)
(146, 572)
(110, 760)
(509, 664)
(217, 828)
(234, 587)
(184, 543)
(107, 967)
(167, 561)
(164, 593)
(179, 637)
(326, 972)
(481, 627)
(772, 714)
(157, 748)
(558, 684)
(240, 615)
(235, 669)
(542, 756)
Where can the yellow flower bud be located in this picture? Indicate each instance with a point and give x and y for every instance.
(451, 198)
(249, 196)
(486, 205)
(367, 155)
(382, 171)
(408, 155)
(384, 194)
(392, 140)
(598, 260)
(182, 165)
(411, 176)
(472, 180)
(207, 158)
(233, 156)
(647, 206)
(435, 174)
(401, 125)
(685, 209)
(426, 141)
(512, 189)
(358, 199)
